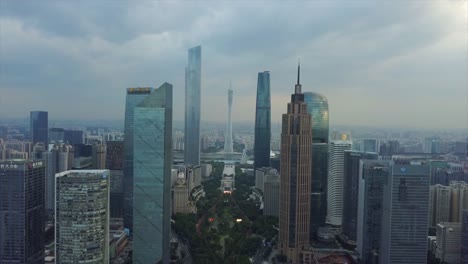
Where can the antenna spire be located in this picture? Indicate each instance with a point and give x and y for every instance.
(299, 71)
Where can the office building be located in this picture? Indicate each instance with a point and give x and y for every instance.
(373, 177)
(39, 127)
(338, 145)
(73, 137)
(152, 160)
(296, 162)
(271, 190)
(262, 122)
(317, 106)
(405, 214)
(82, 237)
(458, 200)
(464, 238)
(370, 145)
(350, 192)
(22, 190)
(56, 135)
(134, 97)
(181, 195)
(448, 242)
(192, 106)
(99, 156)
(228, 144)
(114, 163)
(229, 179)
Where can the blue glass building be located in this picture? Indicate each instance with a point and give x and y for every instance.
(152, 160)
(39, 127)
(405, 215)
(317, 106)
(192, 107)
(262, 122)
(134, 97)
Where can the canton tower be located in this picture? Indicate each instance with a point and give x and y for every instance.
(228, 146)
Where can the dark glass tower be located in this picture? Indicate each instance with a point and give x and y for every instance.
(152, 159)
(262, 122)
(134, 97)
(114, 163)
(192, 107)
(351, 190)
(296, 143)
(39, 127)
(317, 106)
(464, 234)
(22, 191)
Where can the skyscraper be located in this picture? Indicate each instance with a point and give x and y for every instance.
(338, 145)
(296, 143)
(22, 191)
(82, 237)
(134, 97)
(464, 238)
(351, 192)
(39, 127)
(405, 215)
(192, 106)
(317, 106)
(152, 159)
(114, 163)
(448, 242)
(262, 122)
(228, 145)
(373, 177)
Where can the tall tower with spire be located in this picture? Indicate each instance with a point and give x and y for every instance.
(228, 145)
(295, 187)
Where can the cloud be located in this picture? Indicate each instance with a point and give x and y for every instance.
(366, 57)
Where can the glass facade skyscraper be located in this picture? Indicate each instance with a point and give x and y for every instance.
(22, 191)
(134, 97)
(39, 127)
(317, 106)
(192, 107)
(228, 143)
(152, 159)
(405, 215)
(262, 122)
(114, 163)
(82, 217)
(373, 177)
(351, 190)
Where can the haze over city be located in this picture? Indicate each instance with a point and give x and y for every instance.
(387, 64)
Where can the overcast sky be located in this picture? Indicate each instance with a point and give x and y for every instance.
(393, 63)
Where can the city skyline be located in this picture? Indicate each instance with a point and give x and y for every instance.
(373, 62)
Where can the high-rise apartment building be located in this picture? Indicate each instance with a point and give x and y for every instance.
(448, 242)
(262, 122)
(351, 192)
(440, 209)
(338, 145)
(152, 160)
(317, 107)
(192, 106)
(464, 238)
(134, 97)
(22, 191)
(228, 144)
(82, 217)
(114, 163)
(458, 200)
(39, 127)
(296, 161)
(405, 214)
(373, 177)
(99, 156)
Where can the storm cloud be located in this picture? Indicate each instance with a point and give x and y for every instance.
(399, 63)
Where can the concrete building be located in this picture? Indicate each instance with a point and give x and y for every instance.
(448, 242)
(338, 145)
(458, 200)
(295, 186)
(228, 179)
(99, 156)
(82, 237)
(181, 196)
(405, 214)
(22, 191)
(114, 163)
